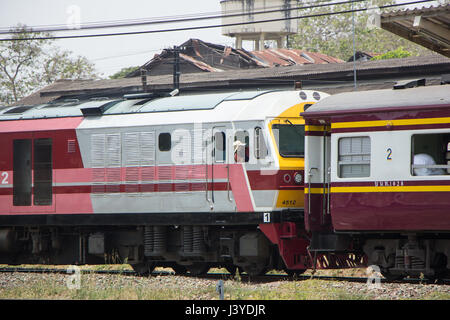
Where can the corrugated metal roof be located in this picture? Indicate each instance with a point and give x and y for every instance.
(320, 74)
(289, 57)
(427, 26)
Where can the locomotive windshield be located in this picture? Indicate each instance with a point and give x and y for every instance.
(290, 139)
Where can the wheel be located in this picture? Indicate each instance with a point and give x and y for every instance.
(198, 268)
(294, 273)
(254, 270)
(144, 268)
(179, 269)
(231, 268)
(391, 277)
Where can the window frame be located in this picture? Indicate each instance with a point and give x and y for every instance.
(160, 142)
(246, 136)
(300, 155)
(437, 165)
(260, 143)
(223, 151)
(341, 163)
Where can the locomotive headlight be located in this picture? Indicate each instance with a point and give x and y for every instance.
(298, 178)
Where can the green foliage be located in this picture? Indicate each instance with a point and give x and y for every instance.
(28, 65)
(333, 34)
(123, 72)
(397, 53)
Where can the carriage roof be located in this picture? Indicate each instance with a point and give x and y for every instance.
(140, 104)
(380, 100)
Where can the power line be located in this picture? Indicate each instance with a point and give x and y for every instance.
(175, 19)
(209, 26)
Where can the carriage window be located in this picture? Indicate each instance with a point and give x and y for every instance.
(219, 147)
(241, 146)
(260, 144)
(165, 141)
(290, 139)
(430, 154)
(354, 157)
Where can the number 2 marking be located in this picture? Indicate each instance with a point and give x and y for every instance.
(5, 177)
(389, 151)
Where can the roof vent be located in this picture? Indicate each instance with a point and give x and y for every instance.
(18, 110)
(409, 84)
(97, 110)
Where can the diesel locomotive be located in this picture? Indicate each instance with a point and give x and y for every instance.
(184, 181)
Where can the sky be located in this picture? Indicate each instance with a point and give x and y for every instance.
(110, 54)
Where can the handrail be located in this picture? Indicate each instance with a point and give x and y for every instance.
(309, 188)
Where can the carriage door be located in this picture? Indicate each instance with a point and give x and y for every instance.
(317, 176)
(326, 217)
(32, 175)
(219, 176)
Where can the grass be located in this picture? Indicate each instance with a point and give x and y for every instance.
(119, 287)
(89, 290)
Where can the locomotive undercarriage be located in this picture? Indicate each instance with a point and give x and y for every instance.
(416, 255)
(186, 248)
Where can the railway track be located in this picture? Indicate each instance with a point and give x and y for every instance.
(219, 276)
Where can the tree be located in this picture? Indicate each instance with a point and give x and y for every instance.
(333, 34)
(123, 72)
(397, 53)
(28, 65)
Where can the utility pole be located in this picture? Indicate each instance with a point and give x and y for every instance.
(354, 48)
(176, 68)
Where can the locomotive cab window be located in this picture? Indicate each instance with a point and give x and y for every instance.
(290, 139)
(219, 147)
(354, 157)
(241, 146)
(164, 141)
(260, 144)
(430, 154)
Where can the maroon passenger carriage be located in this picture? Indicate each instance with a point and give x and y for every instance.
(377, 170)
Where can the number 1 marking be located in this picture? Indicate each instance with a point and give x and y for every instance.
(266, 218)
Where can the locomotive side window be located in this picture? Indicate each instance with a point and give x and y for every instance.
(42, 172)
(241, 146)
(164, 141)
(290, 139)
(219, 147)
(22, 172)
(430, 154)
(260, 144)
(354, 157)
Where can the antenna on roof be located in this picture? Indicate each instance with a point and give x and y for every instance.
(176, 68)
(144, 79)
(174, 92)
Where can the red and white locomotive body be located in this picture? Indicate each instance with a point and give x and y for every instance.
(154, 178)
(367, 183)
